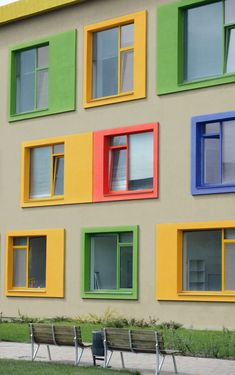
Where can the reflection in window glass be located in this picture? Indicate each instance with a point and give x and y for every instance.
(231, 52)
(204, 46)
(229, 11)
(229, 251)
(127, 35)
(127, 73)
(202, 262)
(105, 63)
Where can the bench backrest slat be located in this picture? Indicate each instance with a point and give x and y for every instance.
(138, 341)
(56, 334)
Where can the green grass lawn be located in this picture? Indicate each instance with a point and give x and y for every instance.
(203, 343)
(10, 367)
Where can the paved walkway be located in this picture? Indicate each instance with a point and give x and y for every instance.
(145, 363)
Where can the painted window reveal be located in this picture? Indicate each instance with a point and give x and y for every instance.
(115, 60)
(213, 154)
(204, 44)
(131, 162)
(47, 171)
(40, 86)
(29, 262)
(32, 79)
(110, 257)
(209, 260)
(35, 263)
(57, 170)
(200, 261)
(125, 163)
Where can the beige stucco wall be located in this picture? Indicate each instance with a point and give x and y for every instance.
(175, 202)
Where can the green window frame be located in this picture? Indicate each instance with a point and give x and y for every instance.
(94, 279)
(172, 51)
(60, 84)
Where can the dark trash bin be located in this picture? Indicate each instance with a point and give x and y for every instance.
(97, 346)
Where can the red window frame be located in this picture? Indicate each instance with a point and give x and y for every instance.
(103, 168)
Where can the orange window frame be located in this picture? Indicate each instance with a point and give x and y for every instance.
(139, 19)
(103, 167)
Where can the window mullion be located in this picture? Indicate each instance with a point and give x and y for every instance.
(119, 60)
(36, 81)
(221, 153)
(225, 40)
(52, 173)
(127, 163)
(27, 263)
(223, 262)
(118, 263)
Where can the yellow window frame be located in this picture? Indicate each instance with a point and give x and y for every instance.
(54, 264)
(139, 48)
(169, 262)
(78, 157)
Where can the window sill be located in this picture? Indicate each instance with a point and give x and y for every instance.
(208, 293)
(106, 294)
(200, 190)
(113, 99)
(129, 192)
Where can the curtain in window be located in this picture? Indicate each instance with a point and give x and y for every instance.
(40, 159)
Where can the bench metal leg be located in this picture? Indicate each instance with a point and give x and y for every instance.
(174, 361)
(122, 359)
(49, 353)
(159, 362)
(78, 356)
(34, 353)
(107, 358)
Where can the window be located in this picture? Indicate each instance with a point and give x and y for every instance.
(35, 263)
(38, 86)
(57, 171)
(32, 79)
(46, 171)
(201, 53)
(125, 163)
(115, 54)
(29, 262)
(213, 154)
(201, 260)
(109, 262)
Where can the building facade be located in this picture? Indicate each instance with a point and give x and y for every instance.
(117, 159)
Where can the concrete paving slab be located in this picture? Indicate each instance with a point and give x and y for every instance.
(145, 363)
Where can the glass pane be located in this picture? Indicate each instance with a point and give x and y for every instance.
(25, 80)
(105, 63)
(229, 11)
(42, 57)
(37, 262)
(140, 161)
(126, 267)
(202, 260)
(127, 69)
(212, 128)
(212, 161)
(58, 149)
(118, 174)
(228, 152)
(42, 94)
(230, 266)
(19, 241)
(19, 267)
(127, 35)
(126, 237)
(229, 233)
(40, 172)
(59, 176)
(103, 262)
(203, 44)
(118, 140)
(231, 52)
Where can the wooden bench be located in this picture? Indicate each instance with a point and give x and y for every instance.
(50, 334)
(136, 341)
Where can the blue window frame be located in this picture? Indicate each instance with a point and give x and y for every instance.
(213, 154)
